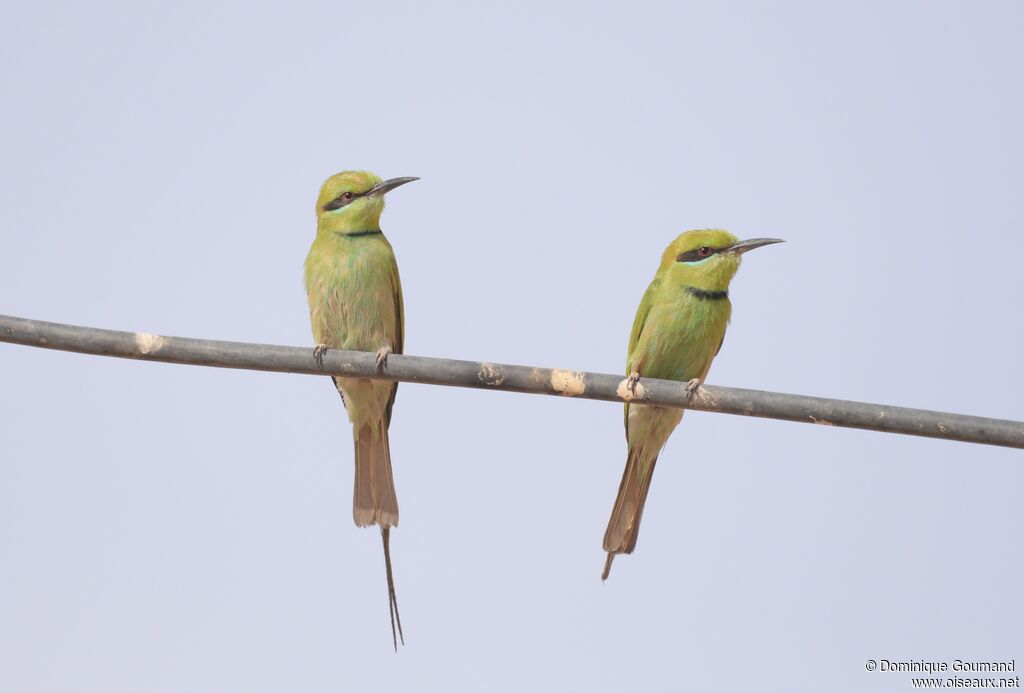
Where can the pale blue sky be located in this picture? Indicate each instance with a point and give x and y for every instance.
(167, 528)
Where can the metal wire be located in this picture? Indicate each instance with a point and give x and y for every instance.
(492, 376)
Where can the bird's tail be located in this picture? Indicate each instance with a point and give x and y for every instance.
(375, 502)
(624, 525)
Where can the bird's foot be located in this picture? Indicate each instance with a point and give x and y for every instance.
(382, 358)
(631, 381)
(318, 354)
(693, 386)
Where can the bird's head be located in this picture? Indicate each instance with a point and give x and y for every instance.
(707, 259)
(353, 201)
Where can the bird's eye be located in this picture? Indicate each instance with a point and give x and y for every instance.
(697, 254)
(347, 195)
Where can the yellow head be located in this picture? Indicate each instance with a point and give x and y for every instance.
(707, 259)
(353, 201)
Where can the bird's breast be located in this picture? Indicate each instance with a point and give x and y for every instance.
(351, 296)
(681, 337)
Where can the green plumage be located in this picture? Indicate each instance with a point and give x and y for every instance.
(679, 328)
(355, 303)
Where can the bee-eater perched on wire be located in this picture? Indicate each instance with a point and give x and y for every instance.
(677, 332)
(355, 302)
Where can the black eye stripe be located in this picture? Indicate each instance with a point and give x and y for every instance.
(695, 254)
(342, 200)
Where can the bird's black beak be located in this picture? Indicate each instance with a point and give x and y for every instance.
(744, 246)
(388, 185)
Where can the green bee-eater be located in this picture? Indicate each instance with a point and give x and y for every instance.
(355, 302)
(677, 332)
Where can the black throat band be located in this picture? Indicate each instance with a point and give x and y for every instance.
(707, 295)
(357, 234)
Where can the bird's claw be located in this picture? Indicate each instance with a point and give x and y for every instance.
(693, 386)
(318, 354)
(382, 358)
(631, 381)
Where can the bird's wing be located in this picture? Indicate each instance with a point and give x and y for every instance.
(398, 343)
(337, 386)
(642, 311)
